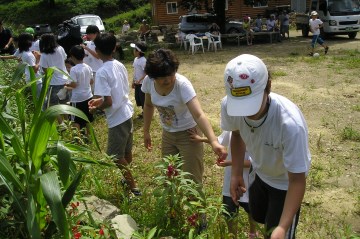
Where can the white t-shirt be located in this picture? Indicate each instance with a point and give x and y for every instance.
(90, 60)
(279, 145)
(81, 74)
(56, 59)
(139, 69)
(35, 45)
(29, 58)
(174, 113)
(112, 80)
(224, 139)
(314, 25)
(125, 28)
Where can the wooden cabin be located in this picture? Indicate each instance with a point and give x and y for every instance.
(167, 12)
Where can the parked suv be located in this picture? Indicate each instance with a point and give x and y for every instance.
(41, 29)
(88, 19)
(200, 23)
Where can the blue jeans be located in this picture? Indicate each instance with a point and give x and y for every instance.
(318, 39)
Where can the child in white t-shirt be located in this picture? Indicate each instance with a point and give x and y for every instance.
(139, 73)
(230, 206)
(315, 24)
(81, 76)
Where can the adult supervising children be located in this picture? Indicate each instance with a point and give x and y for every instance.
(315, 24)
(112, 96)
(179, 109)
(276, 137)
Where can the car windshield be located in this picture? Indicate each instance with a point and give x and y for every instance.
(86, 21)
(344, 6)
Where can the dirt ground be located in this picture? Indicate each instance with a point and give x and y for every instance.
(327, 89)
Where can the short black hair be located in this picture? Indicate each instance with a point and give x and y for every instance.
(92, 29)
(161, 63)
(105, 43)
(78, 52)
(24, 41)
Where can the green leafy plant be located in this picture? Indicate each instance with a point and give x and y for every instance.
(31, 145)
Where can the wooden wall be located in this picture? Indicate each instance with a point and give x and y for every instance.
(236, 11)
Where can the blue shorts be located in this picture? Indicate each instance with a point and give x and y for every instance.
(318, 39)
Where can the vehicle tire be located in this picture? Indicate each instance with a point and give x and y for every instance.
(233, 31)
(352, 35)
(305, 32)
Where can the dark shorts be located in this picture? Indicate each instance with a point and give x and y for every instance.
(139, 96)
(232, 209)
(120, 139)
(316, 39)
(84, 107)
(266, 205)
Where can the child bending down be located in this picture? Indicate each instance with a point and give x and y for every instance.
(230, 206)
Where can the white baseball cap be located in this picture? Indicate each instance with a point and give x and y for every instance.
(314, 13)
(245, 79)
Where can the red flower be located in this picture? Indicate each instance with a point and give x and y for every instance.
(77, 235)
(101, 232)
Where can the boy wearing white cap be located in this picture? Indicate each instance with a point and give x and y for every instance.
(274, 132)
(315, 24)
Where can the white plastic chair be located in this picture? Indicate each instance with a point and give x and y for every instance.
(213, 40)
(195, 43)
(182, 39)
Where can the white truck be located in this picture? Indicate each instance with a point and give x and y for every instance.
(340, 17)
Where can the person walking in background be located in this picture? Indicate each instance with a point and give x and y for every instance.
(80, 85)
(284, 20)
(125, 27)
(139, 73)
(248, 30)
(112, 96)
(315, 24)
(179, 110)
(280, 161)
(91, 57)
(230, 207)
(144, 30)
(6, 40)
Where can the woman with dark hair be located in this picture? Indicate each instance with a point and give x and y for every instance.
(53, 55)
(180, 111)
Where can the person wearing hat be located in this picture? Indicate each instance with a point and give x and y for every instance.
(144, 30)
(139, 73)
(315, 24)
(6, 40)
(274, 132)
(125, 27)
(35, 43)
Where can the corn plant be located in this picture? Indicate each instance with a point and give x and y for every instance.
(36, 167)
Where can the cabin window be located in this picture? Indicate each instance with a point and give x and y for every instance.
(171, 7)
(260, 3)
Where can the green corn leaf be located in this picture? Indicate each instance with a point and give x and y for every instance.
(18, 73)
(63, 158)
(20, 103)
(70, 191)
(10, 134)
(51, 189)
(9, 175)
(5, 182)
(31, 222)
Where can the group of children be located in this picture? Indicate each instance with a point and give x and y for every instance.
(275, 165)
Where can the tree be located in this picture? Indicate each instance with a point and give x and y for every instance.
(50, 3)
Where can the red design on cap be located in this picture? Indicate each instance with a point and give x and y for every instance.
(244, 76)
(252, 81)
